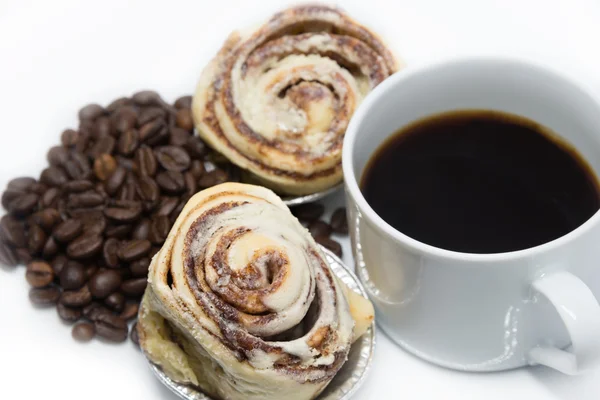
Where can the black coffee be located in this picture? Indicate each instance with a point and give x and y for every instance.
(480, 182)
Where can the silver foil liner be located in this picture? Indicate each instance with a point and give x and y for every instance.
(309, 198)
(347, 380)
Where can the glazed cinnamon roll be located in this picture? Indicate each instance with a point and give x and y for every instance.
(242, 304)
(276, 101)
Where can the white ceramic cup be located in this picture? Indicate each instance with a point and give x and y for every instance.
(479, 312)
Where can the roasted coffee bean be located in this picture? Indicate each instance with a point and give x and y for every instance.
(308, 212)
(102, 128)
(124, 119)
(85, 200)
(8, 256)
(319, 228)
(212, 178)
(195, 147)
(172, 158)
(123, 211)
(94, 309)
(118, 103)
(76, 298)
(140, 267)
(77, 186)
(93, 221)
(146, 98)
(104, 283)
(46, 219)
(104, 145)
(50, 197)
(84, 140)
(23, 255)
(116, 179)
(44, 296)
(91, 111)
(90, 270)
(57, 155)
(128, 142)
(118, 231)
(141, 230)
(69, 137)
(128, 192)
(38, 188)
(134, 335)
(171, 181)
(54, 176)
(68, 314)
(330, 244)
(111, 327)
(166, 206)
(50, 248)
(179, 137)
(83, 332)
(151, 129)
(115, 302)
(191, 183)
(339, 222)
(67, 230)
(184, 119)
(86, 127)
(154, 251)
(150, 114)
(39, 274)
(183, 102)
(72, 276)
(12, 231)
(23, 204)
(145, 162)
(36, 239)
(177, 210)
(78, 167)
(21, 184)
(161, 137)
(148, 192)
(134, 250)
(58, 263)
(159, 229)
(9, 196)
(134, 287)
(130, 311)
(109, 253)
(104, 166)
(84, 246)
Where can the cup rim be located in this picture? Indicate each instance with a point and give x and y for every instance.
(392, 83)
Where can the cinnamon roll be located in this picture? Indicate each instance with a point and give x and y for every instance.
(276, 101)
(241, 302)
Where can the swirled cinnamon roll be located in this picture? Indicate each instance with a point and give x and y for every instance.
(242, 303)
(277, 101)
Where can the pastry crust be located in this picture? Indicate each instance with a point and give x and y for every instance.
(277, 100)
(242, 303)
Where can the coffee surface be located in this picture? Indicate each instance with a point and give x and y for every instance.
(480, 182)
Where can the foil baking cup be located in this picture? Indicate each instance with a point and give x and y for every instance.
(345, 383)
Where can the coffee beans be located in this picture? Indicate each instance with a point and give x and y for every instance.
(84, 246)
(44, 296)
(72, 276)
(39, 274)
(308, 212)
(83, 332)
(67, 230)
(104, 283)
(88, 228)
(134, 250)
(134, 335)
(111, 327)
(330, 244)
(339, 223)
(319, 228)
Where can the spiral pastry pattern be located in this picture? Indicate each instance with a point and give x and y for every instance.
(242, 303)
(277, 101)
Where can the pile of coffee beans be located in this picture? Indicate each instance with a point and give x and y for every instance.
(89, 226)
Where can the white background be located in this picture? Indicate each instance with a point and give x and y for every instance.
(57, 55)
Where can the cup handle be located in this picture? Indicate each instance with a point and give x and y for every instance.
(580, 312)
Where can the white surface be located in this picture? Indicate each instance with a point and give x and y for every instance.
(476, 312)
(57, 55)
